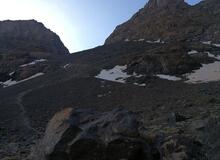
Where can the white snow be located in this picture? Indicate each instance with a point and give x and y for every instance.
(137, 75)
(207, 73)
(210, 43)
(10, 82)
(192, 52)
(207, 42)
(168, 77)
(141, 85)
(66, 65)
(115, 74)
(216, 45)
(33, 62)
(213, 56)
(157, 41)
(10, 74)
(127, 40)
(141, 40)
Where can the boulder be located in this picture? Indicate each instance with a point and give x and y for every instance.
(86, 134)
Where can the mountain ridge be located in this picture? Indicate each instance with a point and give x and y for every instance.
(171, 22)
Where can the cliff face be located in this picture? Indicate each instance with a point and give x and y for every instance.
(29, 35)
(172, 20)
(26, 48)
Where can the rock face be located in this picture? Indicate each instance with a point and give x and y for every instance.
(24, 42)
(29, 35)
(163, 3)
(171, 20)
(83, 134)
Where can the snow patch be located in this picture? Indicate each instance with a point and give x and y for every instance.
(141, 85)
(141, 40)
(216, 45)
(11, 82)
(210, 43)
(207, 42)
(157, 41)
(10, 74)
(127, 40)
(193, 52)
(115, 74)
(207, 73)
(213, 56)
(66, 65)
(168, 77)
(33, 62)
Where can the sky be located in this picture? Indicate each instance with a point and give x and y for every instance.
(81, 24)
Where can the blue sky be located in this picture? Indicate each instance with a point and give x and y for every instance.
(81, 24)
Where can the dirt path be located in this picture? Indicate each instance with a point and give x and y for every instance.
(24, 118)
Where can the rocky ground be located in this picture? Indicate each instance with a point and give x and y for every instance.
(172, 108)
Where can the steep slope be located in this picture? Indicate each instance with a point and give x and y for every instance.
(171, 20)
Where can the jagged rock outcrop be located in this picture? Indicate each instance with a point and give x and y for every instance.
(171, 20)
(29, 36)
(23, 42)
(77, 134)
(86, 134)
(164, 3)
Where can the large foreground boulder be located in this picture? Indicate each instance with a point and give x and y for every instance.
(83, 134)
(86, 134)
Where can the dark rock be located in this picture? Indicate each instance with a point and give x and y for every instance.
(29, 36)
(90, 135)
(171, 21)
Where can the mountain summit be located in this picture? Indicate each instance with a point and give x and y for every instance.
(171, 20)
(164, 3)
(29, 35)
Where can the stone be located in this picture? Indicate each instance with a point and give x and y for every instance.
(86, 134)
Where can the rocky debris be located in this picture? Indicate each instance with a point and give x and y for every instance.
(171, 21)
(120, 134)
(88, 134)
(171, 60)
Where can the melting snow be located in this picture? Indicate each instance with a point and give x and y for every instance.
(210, 43)
(33, 62)
(207, 73)
(207, 42)
(66, 65)
(141, 40)
(168, 77)
(216, 45)
(11, 82)
(193, 52)
(115, 74)
(10, 74)
(157, 41)
(141, 85)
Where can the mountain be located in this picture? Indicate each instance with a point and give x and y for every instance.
(29, 36)
(171, 20)
(24, 43)
(166, 77)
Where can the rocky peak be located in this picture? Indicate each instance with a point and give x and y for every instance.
(29, 36)
(171, 20)
(164, 3)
